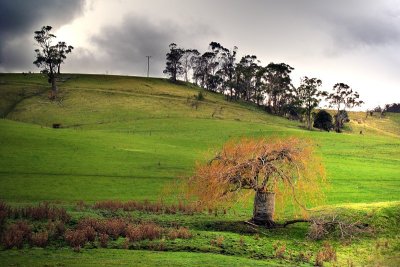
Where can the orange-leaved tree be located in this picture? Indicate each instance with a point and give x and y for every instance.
(273, 168)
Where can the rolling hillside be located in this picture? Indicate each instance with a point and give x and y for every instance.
(126, 138)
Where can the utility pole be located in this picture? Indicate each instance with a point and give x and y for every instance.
(148, 65)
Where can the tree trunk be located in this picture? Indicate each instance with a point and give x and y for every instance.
(53, 86)
(264, 208)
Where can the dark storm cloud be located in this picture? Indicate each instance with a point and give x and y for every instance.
(20, 18)
(123, 48)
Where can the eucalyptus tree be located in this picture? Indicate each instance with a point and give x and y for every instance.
(174, 66)
(278, 85)
(188, 61)
(246, 69)
(50, 56)
(227, 69)
(62, 50)
(309, 96)
(341, 98)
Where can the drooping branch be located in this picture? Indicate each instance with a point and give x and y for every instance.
(285, 167)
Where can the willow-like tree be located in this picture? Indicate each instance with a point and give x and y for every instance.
(273, 169)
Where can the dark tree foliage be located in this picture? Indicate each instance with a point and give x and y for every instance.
(227, 70)
(63, 49)
(49, 57)
(395, 107)
(246, 70)
(308, 96)
(270, 86)
(279, 86)
(174, 66)
(323, 120)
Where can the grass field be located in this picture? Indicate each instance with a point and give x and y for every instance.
(125, 138)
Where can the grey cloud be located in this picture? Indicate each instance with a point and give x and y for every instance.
(20, 18)
(362, 25)
(123, 48)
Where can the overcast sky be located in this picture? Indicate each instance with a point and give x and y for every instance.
(352, 41)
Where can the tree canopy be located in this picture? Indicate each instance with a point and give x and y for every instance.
(49, 56)
(270, 86)
(288, 168)
(342, 97)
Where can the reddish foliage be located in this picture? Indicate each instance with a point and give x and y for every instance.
(76, 238)
(15, 235)
(55, 229)
(181, 232)
(40, 239)
(5, 212)
(113, 227)
(44, 211)
(147, 206)
(90, 233)
(144, 231)
(326, 254)
(103, 239)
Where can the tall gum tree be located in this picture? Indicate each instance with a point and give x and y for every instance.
(342, 97)
(49, 57)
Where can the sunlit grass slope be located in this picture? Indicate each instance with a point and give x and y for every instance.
(126, 137)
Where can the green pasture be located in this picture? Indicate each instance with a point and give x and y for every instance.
(127, 138)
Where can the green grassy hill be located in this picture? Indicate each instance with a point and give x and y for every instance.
(127, 137)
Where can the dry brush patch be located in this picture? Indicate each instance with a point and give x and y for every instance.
(43, 211)
(148, 206)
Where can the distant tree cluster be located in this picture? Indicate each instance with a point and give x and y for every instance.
(395, 107)
(218, 70)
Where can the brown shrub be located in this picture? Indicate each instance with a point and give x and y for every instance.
(12, 239)
(40, 239)
(5, 212)
(326, 254)
(144, 231)
(134, 233)
(218, 241)
(76, 238)
(279, 249)
(44, 211)
(15, 235)
(304, 256)
(115, 227)
(181, 232)
(55, 229)
(90, 233)
(323, 227)
(96, 224)
(103, 239)
(147, 206)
